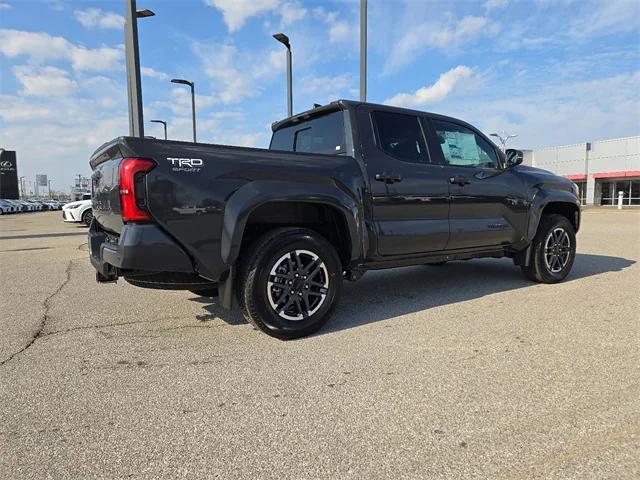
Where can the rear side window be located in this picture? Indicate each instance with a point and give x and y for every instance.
(400, 135)
(463, 147)
(323, 134)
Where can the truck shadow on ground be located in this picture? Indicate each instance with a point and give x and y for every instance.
(385, 294)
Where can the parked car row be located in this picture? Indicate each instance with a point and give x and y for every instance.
(21, 206)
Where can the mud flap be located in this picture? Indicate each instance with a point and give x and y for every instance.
(522, 258)
(225, 290)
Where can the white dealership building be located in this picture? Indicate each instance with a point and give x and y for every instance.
(601, 169)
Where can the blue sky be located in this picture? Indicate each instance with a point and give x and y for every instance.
(554, 72)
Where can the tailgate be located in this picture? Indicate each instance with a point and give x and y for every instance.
(105, 186)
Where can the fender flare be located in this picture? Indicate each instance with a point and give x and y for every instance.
(541, 199)
(242, 202)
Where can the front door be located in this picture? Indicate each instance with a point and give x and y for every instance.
(410, 192)
(489, 204)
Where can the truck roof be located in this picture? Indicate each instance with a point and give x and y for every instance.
(344, 104)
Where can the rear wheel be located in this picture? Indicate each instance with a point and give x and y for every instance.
(553, 250)
(87, 217)
(289, 282)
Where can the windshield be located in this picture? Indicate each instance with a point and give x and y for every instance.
(324, 134)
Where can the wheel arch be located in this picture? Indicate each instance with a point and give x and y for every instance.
(261, 205)
(560, 202)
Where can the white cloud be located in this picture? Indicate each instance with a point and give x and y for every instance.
(339, 30)
(237, 74)
(4, 6)
(603, 18)
(560, 113)
(16, 110)
(236, 12)
(492, 4)
(445, 35)
(44, 81)
(445, 85)
(40, 46)
(179, 102)
(327, 89)
(95, 17)
(37, 46)
(152, 73)
(292, 12)
(96, 59)
(56, 135)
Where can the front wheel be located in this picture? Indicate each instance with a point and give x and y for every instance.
(87, 217)
(553, 250)
(289, 282)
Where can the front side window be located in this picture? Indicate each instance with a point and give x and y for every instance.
(323, 134)
(461, 146)
(400, 136)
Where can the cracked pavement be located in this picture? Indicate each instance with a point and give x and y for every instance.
(460, 371)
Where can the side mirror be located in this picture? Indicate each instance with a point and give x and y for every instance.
(514, 157)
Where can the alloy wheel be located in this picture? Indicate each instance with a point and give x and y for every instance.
(298, 285)
(557, 250)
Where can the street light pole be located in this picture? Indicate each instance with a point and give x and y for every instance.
(283, 39)
(503, 139)
(193, 102)
(164, 124)
(132, 56)
(363, 50)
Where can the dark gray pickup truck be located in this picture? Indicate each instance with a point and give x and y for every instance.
(343, 188)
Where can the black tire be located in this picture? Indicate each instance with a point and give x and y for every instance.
(542, 266)
(317, 294)
(87, 217)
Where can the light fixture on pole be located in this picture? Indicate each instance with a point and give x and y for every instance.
(283, 39)
(503, 137)
(193, 102)
(164, 124)
(132, 56)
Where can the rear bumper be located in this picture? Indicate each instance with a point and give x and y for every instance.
(139, 248)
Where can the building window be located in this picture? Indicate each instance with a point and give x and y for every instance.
(610, 190)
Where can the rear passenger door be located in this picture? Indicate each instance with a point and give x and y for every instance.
(409, 190)
(489, 204)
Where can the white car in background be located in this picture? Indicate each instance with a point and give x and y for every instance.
(80, 211)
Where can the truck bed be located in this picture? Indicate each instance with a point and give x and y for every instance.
(198, 194)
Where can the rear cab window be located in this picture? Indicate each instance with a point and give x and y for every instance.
(322, 134)
(400, 135)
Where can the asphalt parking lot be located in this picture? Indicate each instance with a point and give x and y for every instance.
(460, 371)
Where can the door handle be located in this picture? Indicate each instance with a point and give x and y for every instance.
(459, 180)
(388, 177)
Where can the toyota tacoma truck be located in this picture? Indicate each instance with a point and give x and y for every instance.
(343, 188)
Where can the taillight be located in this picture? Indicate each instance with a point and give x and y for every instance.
(132, 169)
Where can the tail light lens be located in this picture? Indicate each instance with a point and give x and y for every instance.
(131, 173)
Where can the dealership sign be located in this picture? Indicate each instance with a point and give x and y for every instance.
(8, 175)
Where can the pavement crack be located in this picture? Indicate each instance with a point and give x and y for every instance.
(106, 325)
(46, 305)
